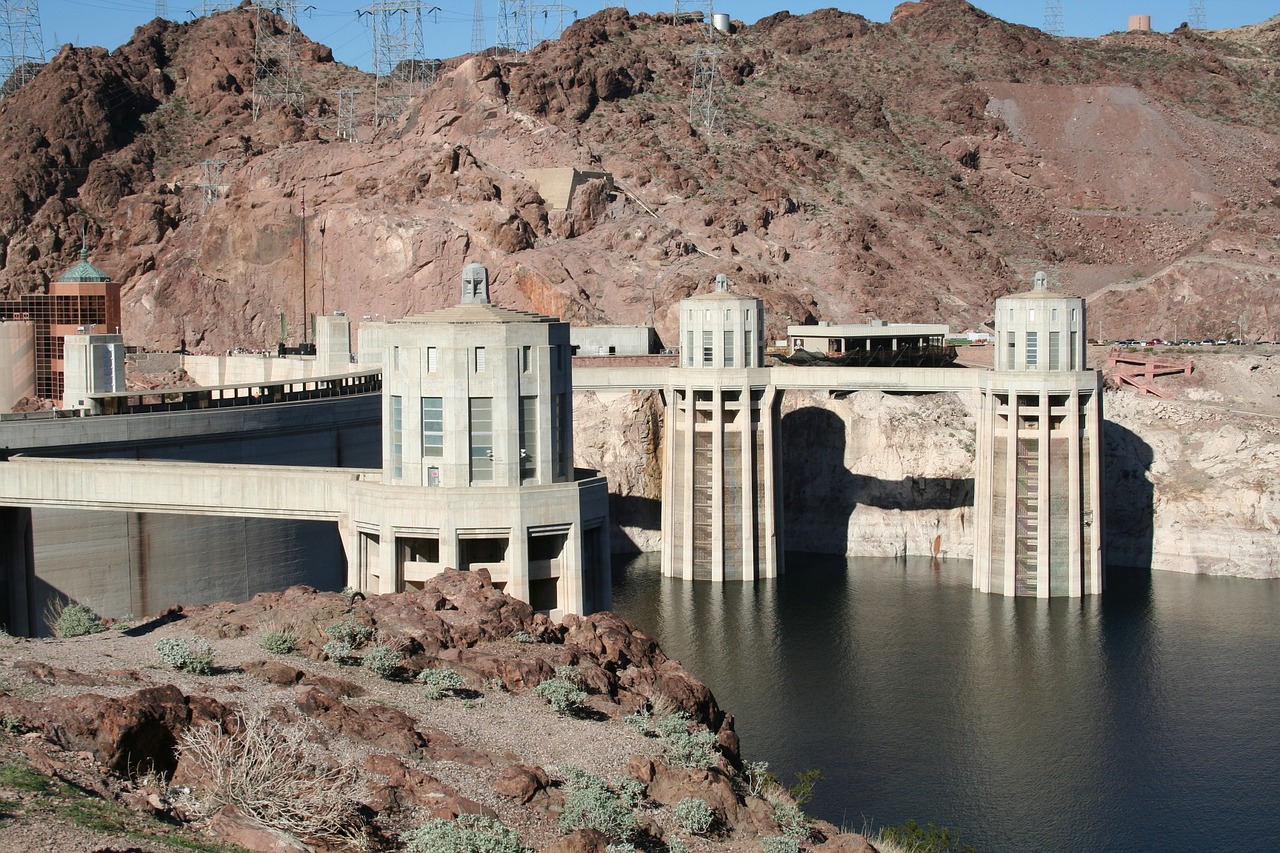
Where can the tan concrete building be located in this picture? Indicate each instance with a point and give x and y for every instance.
(477, 468)
(1038, 488)
(721, 519)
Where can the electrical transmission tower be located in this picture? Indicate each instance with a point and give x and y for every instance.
(477, 28)
(276, 75)
(21, 44)
(1195, 15)
(162, 9)
(211, 181)
(523, 24)
(399, 69)
(706, 103)
(1053, 17)
(347, 114)
(208, 7)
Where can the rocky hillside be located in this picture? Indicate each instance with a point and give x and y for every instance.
(911, 170)
(343, 744)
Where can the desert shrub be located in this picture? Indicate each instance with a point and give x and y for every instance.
(685, 747)
(592, 803)
(791, 820)
(75, 620)
(382, 661)
(571, 674)
(562, 696)
(779, 844)
(440, 682)
(919, 839)
(468, 833)
(279, 642)
(194, 655)
(676, 846)
(639, 722)
(759, 781)
(806, 783)
(274, 776)
(522, 637)
(694, 816)
(349, 631)
(340, 652)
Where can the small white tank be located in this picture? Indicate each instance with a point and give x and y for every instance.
(721, 22)
(1139, 23)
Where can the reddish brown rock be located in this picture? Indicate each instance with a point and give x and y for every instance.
(521, 782)
(230, 826)
(131, 734)
(580, 841)
(407, 786)
(845, 843)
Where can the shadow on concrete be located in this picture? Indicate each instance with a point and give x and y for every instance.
(1128, 508)
(634, 512)
(820, 494)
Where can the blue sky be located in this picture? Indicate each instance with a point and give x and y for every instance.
(110, 23)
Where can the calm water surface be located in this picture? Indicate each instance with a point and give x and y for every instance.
(1147, 719)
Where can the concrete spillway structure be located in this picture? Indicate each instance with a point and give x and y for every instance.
(477, 460)
(720, 516)
(1038, 484)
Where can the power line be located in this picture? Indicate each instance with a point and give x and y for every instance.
(1053, 17)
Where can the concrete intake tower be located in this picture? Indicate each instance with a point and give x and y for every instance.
(1038, 484)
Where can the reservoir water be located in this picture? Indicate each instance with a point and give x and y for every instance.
(1146, 719)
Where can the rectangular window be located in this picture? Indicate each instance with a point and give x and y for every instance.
(748, 356)
(397, 439)
(1011, 362)
(433, 360)
(481, 359)
(728, 348)
(708, 348)
(1032, 345)
(481, 434)
(433, 476)
(528, 438)
(395, 358)
(1075, 342)
(432, 427)
(688, 348)
(1055, 357)
(526, 359)
(560, 435)
(1031, 315)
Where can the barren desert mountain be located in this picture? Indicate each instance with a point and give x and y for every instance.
(910, 170)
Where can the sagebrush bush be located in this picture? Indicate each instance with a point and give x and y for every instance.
(684, 747)
(791, 820)
(468, 833)
(522, 637)
(275, 776)
(382, 661)
(694, 816)
(279, 642)
(76, 620)
(591, 803)
(354, 634)
(194, 655)
(571, 674)
(779, 844)
(440, 682)
(639, 722)
(562, 696)
(339, 651)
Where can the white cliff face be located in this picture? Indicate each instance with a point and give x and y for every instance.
(1191, 485)
(1212, 476)
(878, 475)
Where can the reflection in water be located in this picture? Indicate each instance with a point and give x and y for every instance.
(1141, 720)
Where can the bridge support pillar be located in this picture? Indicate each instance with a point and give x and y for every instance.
(16, 570)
